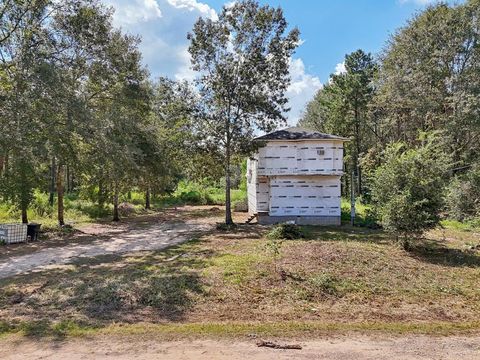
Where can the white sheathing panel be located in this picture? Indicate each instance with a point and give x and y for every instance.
(263, 193)
(305, 195)
(309, 157)
(252, 185)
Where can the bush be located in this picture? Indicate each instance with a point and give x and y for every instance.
(463, 196)
(240, 205)
(364, 214)
(40, 204)
(286, 232)
(408, 187)
(126, 209)
(192, 197)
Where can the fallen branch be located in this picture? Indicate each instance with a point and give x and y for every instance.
(278, 346)
(175, 257)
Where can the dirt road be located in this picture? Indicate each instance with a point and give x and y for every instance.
(151, 237)
(351, 347)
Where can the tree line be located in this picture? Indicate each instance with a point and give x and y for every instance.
(79, 110)
(416, 102)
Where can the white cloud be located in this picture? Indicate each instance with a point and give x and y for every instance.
(194, 6)
(229, 4)
(133, 12)
(418, 2)
(340, 68)
(163, 26)
(302, 88)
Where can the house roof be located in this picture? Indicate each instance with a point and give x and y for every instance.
(298, 133)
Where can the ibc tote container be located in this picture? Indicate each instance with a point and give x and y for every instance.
(13, 233)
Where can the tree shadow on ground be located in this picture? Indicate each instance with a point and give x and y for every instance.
(345, 233)
(146, 286)
(435, 252)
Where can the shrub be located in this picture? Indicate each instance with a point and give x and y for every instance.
(240, 205)
(463, 196)
(40, 204)
(324, 283)
(286, 232)
(126, 209)
(408, 187)
(192, 197)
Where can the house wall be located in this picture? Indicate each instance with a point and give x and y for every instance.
(294, 180)
(318, 157)
(312, 195)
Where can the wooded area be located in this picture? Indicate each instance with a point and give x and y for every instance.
(81, 115)
(413, 114)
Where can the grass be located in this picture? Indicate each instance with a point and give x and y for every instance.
(471, 225)
(79, 209)
(64, 329)
(224, 283)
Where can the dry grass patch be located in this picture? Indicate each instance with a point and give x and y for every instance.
(333, 276)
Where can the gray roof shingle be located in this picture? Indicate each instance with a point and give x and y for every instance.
(298, 133)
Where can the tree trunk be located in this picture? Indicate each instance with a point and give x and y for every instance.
(5, 166)
(52, 182)
(147, 198)
(101, 193)
(68, 179)
(25, 192)
(60, 190)
(357, 155)
(228, 209)
(24, 215)
(116, 217)
(2, 162)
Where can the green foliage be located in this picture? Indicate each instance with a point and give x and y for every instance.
(341, 107)
(463, 196)
(408, 187)
(324, 283)
(203, 194)
(286, 232)
(242, 59)
(274, 247)
(430, 77)
(364, 214)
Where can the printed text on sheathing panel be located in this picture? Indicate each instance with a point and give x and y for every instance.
(293, 159)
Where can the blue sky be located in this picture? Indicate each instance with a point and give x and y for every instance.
(329, 28)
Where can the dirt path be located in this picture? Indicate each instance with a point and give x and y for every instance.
(151, 237)
(351, 347)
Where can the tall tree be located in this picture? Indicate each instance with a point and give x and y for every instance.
(430, 79)
(22, 64)
(341, 107)
(242, 59)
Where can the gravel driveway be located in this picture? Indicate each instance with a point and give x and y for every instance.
(153, 237)
(351, 347)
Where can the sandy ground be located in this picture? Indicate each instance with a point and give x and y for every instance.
(155, 236)
(351, 347)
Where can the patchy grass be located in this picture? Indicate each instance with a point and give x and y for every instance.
(224, 283)
(285, 232)
(178, 331)
(470, 225)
